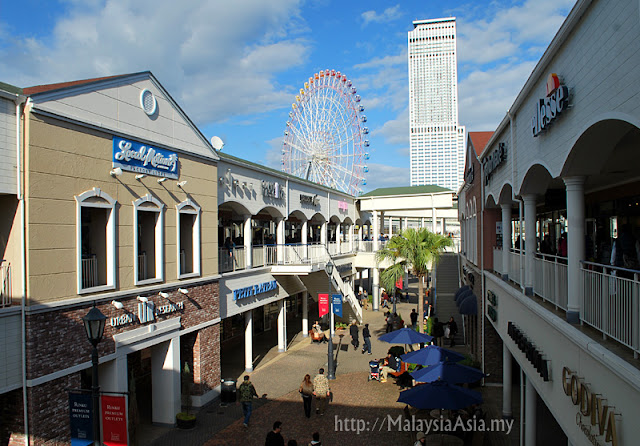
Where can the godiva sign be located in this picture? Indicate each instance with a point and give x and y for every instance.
(594, 418)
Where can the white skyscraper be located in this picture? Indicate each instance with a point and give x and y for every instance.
(437, 141)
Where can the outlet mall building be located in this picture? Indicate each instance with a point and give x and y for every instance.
(111, 197)
(552, 193)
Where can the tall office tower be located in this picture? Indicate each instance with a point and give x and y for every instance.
(437, 141)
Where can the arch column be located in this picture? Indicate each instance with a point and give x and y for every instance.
(376, 230)
(323, 232)
(339, 237)
(375, 291)
(305, 314)
(530, 401)
(390, 227)
(280, 239)
(351, 236)
(507, 385)
(282, 342)
(575, 244)
(433, 216)
(530, 242)
(248, 341)
(506, 239)
(305, 239)
(248, 241)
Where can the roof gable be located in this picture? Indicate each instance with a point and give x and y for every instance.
(114, 103)
(479, 140)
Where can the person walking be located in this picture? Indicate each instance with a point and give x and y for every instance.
(306, 390)
(389, 320)
(353, 331)
(321, 391)
(366, 336)
(274, 437)
(247, 392)
(438, 331)
(414, 319)
(315, 439)
(453, 330)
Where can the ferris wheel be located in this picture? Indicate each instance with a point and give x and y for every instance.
(325, 137)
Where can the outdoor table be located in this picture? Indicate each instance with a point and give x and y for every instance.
(443, 440)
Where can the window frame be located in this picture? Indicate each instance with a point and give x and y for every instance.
(183, 208)
(159, 239)
(110, 233)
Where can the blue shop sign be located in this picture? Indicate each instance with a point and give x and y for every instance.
(136, 157)
(253, 290)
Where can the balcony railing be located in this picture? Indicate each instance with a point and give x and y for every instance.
(5, 284)
(231, 259)
(143, 273)
(497, 260)
(90, 271)
(610, 302)
(551, 281)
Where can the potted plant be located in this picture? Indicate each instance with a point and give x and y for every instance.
(186, 420)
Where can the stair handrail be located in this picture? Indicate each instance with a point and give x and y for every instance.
(348, 292)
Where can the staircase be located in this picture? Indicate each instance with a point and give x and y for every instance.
(318, 283)
(447, 283)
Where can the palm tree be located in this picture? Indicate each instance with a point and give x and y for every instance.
(414, 249)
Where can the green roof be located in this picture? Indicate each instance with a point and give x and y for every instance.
(407, 190)
(10, 88)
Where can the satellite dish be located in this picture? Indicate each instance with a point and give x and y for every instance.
(216, 143)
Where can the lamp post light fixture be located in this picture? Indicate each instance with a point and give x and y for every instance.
(332, 373)
(94, 322)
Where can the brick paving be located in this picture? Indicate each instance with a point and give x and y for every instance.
(277, 381)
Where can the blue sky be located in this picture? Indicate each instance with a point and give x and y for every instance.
(235, 67)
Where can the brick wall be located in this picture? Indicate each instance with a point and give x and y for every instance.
(56, 339)
(206, 360)
(48, 411)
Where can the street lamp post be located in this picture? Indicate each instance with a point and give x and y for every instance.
(94, 322)
(331, 374)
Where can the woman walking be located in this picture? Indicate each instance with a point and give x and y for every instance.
(306, 390)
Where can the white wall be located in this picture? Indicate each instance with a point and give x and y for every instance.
(7, 147)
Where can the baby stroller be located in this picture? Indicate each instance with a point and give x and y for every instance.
(374, 370)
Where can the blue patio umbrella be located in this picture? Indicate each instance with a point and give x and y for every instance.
(431, 355)
(448, 371)
(439, 395)
(469, 306)
(405, 336)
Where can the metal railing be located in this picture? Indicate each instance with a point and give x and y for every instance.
(514, 266)
(551, 279)
(142, 266)
(258, 254)
(5, 284)
(610, 302)
(497, 260)
(231, 259)
(90, 271)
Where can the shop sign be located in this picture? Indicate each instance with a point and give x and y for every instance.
(527, 347)
(549, 108)
(594, 418)
(272, 190)
(147, 312)
(253, 290)
(346, 268)
(312, 200)
(493, 161)
(343, 206)
(469, 175)
(491, 309)
(114, 420)
(81, 418)
(136, 157)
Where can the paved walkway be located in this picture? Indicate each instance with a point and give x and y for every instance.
(278, 379)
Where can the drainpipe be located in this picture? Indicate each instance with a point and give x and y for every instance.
(26, 110)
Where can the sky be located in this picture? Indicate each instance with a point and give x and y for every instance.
(235, 66)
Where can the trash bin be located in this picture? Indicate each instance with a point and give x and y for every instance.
(228, 391)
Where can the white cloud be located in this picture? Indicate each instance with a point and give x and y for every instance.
(388, 15)
(395, 131)
(218, 59)
(382, 175)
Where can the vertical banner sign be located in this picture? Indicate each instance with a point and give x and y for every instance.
(400, 283)
(114, 420)
(337, 304)
(323, 304)
(81, 419)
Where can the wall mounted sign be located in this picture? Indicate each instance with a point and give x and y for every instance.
(147, 312)
(136, 157)
(527, 347)
(323, 304)
(312, 200)
(491, 309)
(493, 161)
(594, 417)
(343, 206)
(254, 290)
(272, 190)
(549, 108)
(469, 175)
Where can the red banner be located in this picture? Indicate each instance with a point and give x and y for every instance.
(399, 283)
(114, 420)
(323, 304)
